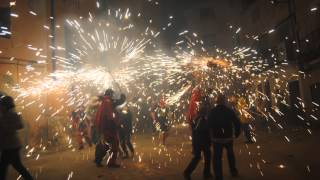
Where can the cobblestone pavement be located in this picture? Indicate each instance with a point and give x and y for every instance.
(272, 157)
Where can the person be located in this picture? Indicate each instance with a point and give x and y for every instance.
(223, 123)
(10, 144)
(197, 119)
(90, 112)
(159, 116)
(107, 124)
(245, 119)
(125, 133)
(81, 125)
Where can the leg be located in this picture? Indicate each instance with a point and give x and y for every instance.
(207, 161)
(194, 162)
(88, 140)
(100, 152)
(87, 137)
(129, 144)
(217, 161)
(114, 142)
(162, 138)
(247, 132)
(196, 157)
(164, 132)
(17, 164)
(80, 140)
(124, 148)
(4, 163)
(165, 136)
(94, 136)
(231, 159)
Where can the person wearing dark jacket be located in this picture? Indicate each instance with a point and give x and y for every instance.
(200, 134)
(10, 144)
(126, 131)
(224, 124)
(160, 117)
(108, 125)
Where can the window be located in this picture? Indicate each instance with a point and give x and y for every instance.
(5, 22)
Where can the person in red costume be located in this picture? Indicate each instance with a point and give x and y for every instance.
(199, 106)
(108, 125)
(193, 105)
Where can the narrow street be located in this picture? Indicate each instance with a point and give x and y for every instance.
(271, 158)
(74, 71)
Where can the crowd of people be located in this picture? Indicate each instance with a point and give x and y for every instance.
(108, 127)
(214, 126)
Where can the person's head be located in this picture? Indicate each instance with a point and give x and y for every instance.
(109, 92)
(204, 104)
(162, 102)
(221, 99)
(6, 103)
(73, 114)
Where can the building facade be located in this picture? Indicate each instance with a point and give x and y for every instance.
(31, 32)
(288, 34)
(284, 32)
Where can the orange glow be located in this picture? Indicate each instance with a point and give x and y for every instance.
(210, 61)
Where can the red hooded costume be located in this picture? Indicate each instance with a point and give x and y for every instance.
(106, 120)
(193, 105)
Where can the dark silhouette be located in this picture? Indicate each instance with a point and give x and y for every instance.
(223, 123)
(245, 119)
(10, 144)
(200, 135)
(125, 117)
(160, 119)
(108, 125)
